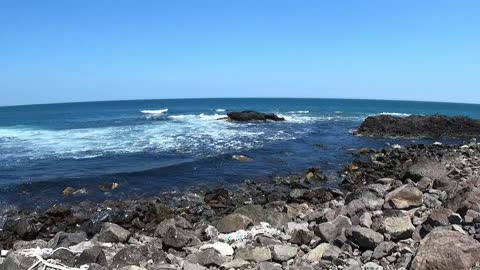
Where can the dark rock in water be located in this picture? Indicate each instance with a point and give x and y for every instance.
(92, 255)
(445, 250)
(246, 116)
(415, 126)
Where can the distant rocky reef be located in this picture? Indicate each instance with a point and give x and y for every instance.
(419, 126)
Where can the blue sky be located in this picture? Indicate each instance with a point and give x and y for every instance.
(59, 51)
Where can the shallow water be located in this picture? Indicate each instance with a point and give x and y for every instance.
(148, 150)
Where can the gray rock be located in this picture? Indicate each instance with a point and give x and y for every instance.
(439, 217)
(113, 233)
(193, 266)
(64, 256)
(301, 237)
(426, 168)
(283, 253)
(398, 225)
(63, 239)
(233, 222)
(210, 257)
(329, 231)
(372, 266)
(92, 255)
(269, 266)
(177, 237)
(95, 266)
(384, 249)
(235, 263)
(16, 261)
(366, 220)
(30, 244)
(129, 255)
(366, 238)
(259, 214)
(316, 254)
(257, 254)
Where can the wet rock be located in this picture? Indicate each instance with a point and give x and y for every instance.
(233, 222)
(92, 255)
(63, 239)
(366, 238)
(27, 229)
(113, 233)
(257, 254)
(404, 197)
(246, 116)
(283, 253)
(446, 250)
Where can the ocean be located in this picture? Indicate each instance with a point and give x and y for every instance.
(155, 146)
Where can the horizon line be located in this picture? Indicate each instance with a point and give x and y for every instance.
(200, 98)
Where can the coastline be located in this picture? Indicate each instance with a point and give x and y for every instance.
(377, 218)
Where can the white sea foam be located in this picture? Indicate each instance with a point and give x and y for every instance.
(220, 110)
(301, 112)
(154, 111)
(394, 114)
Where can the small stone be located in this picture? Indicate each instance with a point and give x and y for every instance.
(399, 226)
(223, 248)
(210, 257)
(404, 197)
(316, 254)
(269, 266)
(235, 263)
(257, 254)
(92, 255)
(372, 266)
(193, 266)
(384, 249)
(366, 220)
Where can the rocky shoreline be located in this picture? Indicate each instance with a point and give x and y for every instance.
(398, 208)
(420, 126)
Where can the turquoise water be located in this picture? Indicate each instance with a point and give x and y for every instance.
(45, 148)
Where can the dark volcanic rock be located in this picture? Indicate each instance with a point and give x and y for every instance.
(433, 126)
(246, 116)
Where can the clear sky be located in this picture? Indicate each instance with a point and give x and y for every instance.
(82, 50)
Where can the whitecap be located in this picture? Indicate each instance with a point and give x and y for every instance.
(220, 110)
(302, 112)
(154, 111)
(394, 114)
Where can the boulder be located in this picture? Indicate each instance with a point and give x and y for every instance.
(445, 250)
(16, 261)
(404, 197)
(384, 249)
(92, 255)
(210, 257)
(177, 237)
(366, 238)
(63, 239)
(233, 222)
(259, 214)
(113, 233)
(64, 256)
(398, 225)
(223, 248)
(256, 254)
(316, 254)
(283, 253)
(246, 116)
(428, 169)
(329, 231)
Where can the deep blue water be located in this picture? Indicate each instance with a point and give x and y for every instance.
(45, 148)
